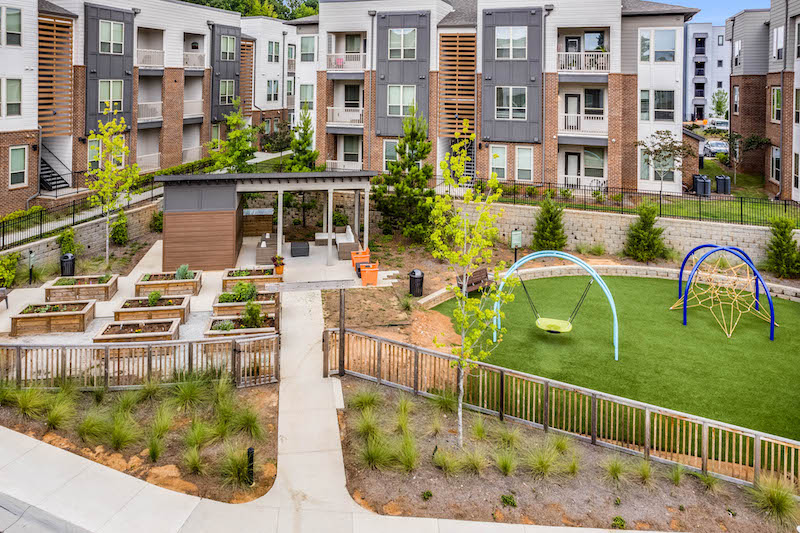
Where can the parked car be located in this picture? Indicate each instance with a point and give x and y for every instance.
(718, 123)
(712, 148)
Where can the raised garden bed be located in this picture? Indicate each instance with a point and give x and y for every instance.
(168, 285)
(238, 328)
(163, 329)
(267, 301)
(37, 319)
(260, 275)
(165, 307)
(81, 288)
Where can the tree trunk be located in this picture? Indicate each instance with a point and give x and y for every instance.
(460, 380)
(108, 234)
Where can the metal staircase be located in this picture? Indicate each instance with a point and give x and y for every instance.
(49, 179)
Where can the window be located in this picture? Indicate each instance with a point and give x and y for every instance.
(268, 125)
(401, 99)
(700, 45)
(664, 46)
(13, 98)
(226, 92)
(777, 104)
(290, 52)
(352, 44)
(511, 103)
(594, 41)
(18, 166)
(796, 106)
(719, 63)
(593, 162)
(663, 170)
(593, 102)
(719, 85)
(735, 99)
(644, 167)
(307, 48)
(272, 90)
(352, 96)
(215, 136)
(290, 87)
(307, 97)
(112, 35)
(699, 90)
(795, 176)
(720, 40)
(775, 164)
(389, 154)
(351, 148)
(291, 118)
(94, 149)
(110, 95)
(14, 27)
(737, 53)
(644, 105)
(644, 46)
(497, 161)
(228, 48)
(777, 42)
(273, 52)
(699, 68)
(511, 42)
(402, 43)
(664, 105)
(524, 163)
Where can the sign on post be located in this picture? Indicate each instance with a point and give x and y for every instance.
(516, 241)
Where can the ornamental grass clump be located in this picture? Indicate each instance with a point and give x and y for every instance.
(376, 453)
(447, 461)
(198, 435)
(126, 401)
(162, 421)
(776, 499)
(474, 461)
(124, 431)
(364, 398)
(644, 472)
(507, 436)
(93, 427)
(189, 394)
(60, 413)
(234, 467)
(615, 470)
(195, 462)
(506, 461)
(675, 475)
(30, 403)
(367, 423)
(155, 447)
(479, 429)
(407, 454)
(446, 401)
(542, 461)
(245, 420)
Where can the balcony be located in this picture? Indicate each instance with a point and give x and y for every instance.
(584, 61)
(569, 124)
(699, 93)
(149, 111)
(290, 65)
(148, 163)
(192, 154)
(700, 51)
(343, 165)
(346, 116)
(192, 108)
(149, 58)
(347, 62)
(578, 182)
(194, 60)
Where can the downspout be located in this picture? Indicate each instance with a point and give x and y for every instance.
(38, 172)
(732, 150)
(283, 70)
(373, 83)
(547, 9)
(783, 72)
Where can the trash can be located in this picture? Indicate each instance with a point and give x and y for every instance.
(704, 186)
(68, 265)
(701, 160)
(723, 184)
(695, 178)
(415, 278)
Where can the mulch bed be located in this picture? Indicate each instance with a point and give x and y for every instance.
(260, 297)
(161, 302)
(122, 329)
(49, 308)
(586, 499)
(269, 322)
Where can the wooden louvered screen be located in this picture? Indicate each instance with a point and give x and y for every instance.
(55, 75)
(457, 62)
(246, 77)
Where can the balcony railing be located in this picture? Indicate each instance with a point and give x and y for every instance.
(341, 62)
(700, 51)
(194, 60)
(148, 163)
(583, 182)
(584, 61)
(583, 124)
(149, 111)
(290, 65)
(343, 165)
(150, 58)
(192, 154)
(349, 116)
(700, 93)
(192, 108)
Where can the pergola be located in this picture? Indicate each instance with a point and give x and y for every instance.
(203, 212)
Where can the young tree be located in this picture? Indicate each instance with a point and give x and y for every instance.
(401, 196)
(665, 154)
(462, 236)
(112, 179)
(239, 145)
(304, 157)
(737, 147)
(281, 139)
(783, 256)
(719, 103)
(549, 232)
(645, 242)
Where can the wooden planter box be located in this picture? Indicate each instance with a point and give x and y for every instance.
(142, 311)
(169, 287)
(229, 281)
(82, 291)
(268, 307)
(170, 334)
(53, 321)
(213, 333)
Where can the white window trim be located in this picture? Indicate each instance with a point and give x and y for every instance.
(24, 183)
(4, 101)
(720, 40)
(402, 45)
(89, 152)
(649, 105)
(233, 92)
(4, 36)
(273, 57)
(517, 159)
(300, 96)
(772, 108)
(111, 42)
(222, 52)
(655, 110)
(674, 46)
(100, 107)
(218, 135)
(511, 45)
(735, 99)
(511, 103)
(313, 46)
(777, 42)
(737, 53)
(385, 161)
(402, 91)
(772, 167)
(492, 165)
(649, 35)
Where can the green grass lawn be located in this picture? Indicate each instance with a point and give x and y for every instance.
(745, 380)
(747, 185)
(272, 165)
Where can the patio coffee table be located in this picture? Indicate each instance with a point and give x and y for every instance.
(300, 249)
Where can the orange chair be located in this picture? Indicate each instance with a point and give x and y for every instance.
(359, 257)
(369, 275)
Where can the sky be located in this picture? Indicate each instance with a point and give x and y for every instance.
(716, 11)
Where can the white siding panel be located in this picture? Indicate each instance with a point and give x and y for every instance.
(19, 62)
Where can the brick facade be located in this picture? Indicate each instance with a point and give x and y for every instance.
(205, 127)
(170, 143)
(773, 132)
(79, 146)
(551, 128)
(623, 106)
(751, 118)
(691, 165)
(14, 198)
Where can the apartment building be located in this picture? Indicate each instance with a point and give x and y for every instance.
(707, 59)
(555, 93)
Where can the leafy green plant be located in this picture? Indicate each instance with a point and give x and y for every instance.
(533, 192)
(242, 292)
(474, 461)
(675, 474)
(407, 453)
(31, 402)
(407, 303)
(157, 222)
(426, 495)
(478, 428)
(506, 461)
(198, 434)
(618, 523)
(153, 298)
(365, 397)
(124, 431)
(445, 401)
(645, 241)
(783, 256)
(155, 447)
(615, 470)
(617, 198)
(245, 420)
(104, 278)
(367, 423)
(251, 316)
(66, 241)
(445, 460)
(223, 325)
(549, 231)
(376, 452)
(566, 193)
(508, 500)
(183, 272)
(542, 461)
(195, 462)
(8, 269)
(599, 197)
(119, 229)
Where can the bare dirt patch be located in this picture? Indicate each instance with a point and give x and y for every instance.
(583, 500)
(365, 307)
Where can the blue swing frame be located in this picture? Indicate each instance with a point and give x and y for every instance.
(562, 255)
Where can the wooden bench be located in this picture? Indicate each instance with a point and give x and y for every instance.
(477, 281)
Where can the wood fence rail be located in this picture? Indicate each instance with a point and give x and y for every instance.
(250, 360)
(730, 452)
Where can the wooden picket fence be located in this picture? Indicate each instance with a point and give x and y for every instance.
(252, 360)
(730, 452)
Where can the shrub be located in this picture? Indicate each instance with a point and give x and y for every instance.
(446, 460)
(367, 423)
(246, 421)
(597, 249)
(508, 500)
(119, 229)
(224, 325)
(198, 435)
(645, 241)
(189, 394)
(407, 303)
(599, 197)
(234, 467)
(617, 198)
(124, 431)
(446, 401)
(549, 232)
(508, 437)
(195, 462)
(66, 241)
(775, 498)
(618, 523)
(541, 461)
(533, 192)
(783, 256)
(644, 472)
(566, 193)
(157, 222)
(126, 401)
(676, 474)
(475, 461)
(153, 298)
(339, 218)
(8, 269)
(365, 397)
(724, 159)
(251, 316)
(478, 429)
(183, 272)
(426, 495)
(93, 427)
(506, 461)
(376, 452)
(31, 402)
(407, 454)
(615, 470)
(60, 413)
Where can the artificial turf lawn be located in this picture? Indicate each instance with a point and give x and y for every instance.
(745, 380)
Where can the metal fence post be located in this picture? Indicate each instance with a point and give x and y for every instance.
(149, 362)
(4, 233)
(647, 423)
(73, 212)
(704, 449)
(41, 223)
(105, 369)
(19, 366)
(378, 354)
(502, 406)
(341, 331)
(594, 419)
(416, 371)
(756, 459)
(546, 406)
(660, 201)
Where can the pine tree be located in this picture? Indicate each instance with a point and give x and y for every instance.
(304, 157)
(783, 256)
(238, 147)
(645, 242)
(549, 232)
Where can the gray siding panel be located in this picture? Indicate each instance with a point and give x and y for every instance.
(107, 66)
(749, 27)
(194, 197)
(508, 72)
(630, 37)
(223, 70)
(401, 72)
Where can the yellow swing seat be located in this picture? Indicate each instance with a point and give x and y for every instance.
(554, 325)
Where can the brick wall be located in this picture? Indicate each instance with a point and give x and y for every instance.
(79, 148)
(205, 127)
(170, 143)
(551, 128)
(16, 198)
(691, 165)
(773, 132)
(751, 119)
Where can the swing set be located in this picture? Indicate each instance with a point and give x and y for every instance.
(555, 325)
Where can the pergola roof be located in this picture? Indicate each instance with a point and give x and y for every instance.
(275, 181)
